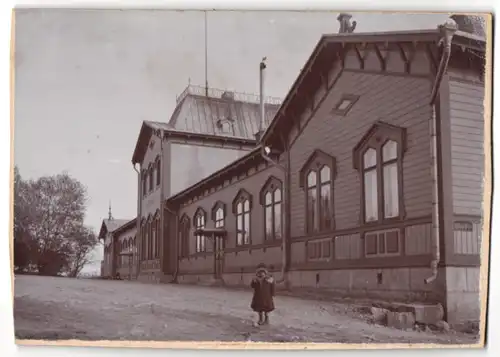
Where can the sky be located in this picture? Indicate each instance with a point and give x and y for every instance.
(86, 79)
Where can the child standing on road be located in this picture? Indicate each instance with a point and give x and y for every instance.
(263, 286)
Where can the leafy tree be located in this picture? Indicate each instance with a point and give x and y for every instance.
(48, 225)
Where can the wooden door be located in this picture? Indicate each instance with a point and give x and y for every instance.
(219, 257)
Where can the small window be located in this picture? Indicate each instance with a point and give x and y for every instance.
(319, 250)
(158, 172)
(345, 104)
(241, 209)
(382, 243)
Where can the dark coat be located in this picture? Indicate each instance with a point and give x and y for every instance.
(263, 292)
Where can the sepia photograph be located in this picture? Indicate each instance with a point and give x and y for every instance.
(291, 178)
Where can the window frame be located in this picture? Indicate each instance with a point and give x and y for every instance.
(241, 197)
(376, 137)
(202, 247)
(271, 186)
(218, 205)
(315, 163)
(158, 170)
(150, 178)
(384, 254)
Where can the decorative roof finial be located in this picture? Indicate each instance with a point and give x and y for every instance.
(110, 216)
(345, 23)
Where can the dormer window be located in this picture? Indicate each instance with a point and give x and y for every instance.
(225, 126)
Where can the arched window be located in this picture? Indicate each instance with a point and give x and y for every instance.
(142, 241)
(199, 222)
(316, 176)
(150, 173)
(158, 171)
(184, 236)
(271, 199)
(219, 214)
(144, 183)
(242, 206)
(379, 159)
(158, 236)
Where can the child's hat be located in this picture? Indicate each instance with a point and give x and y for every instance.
(261, 267)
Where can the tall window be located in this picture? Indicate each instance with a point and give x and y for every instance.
(184, 237)
(158, 237)
(242, 205)
(316, 176)
(158, 171)
(271, 198)
(150, 173)
(152, 247)
(144, 183)
(199, 220)
(379, 157)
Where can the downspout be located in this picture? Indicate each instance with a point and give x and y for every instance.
(265, 155)
(176, 240)
(162, 198)
(138, 224)
(447, 31)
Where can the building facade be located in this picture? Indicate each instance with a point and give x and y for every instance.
(366, 182)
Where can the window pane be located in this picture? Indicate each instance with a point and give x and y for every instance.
(391, 191)
(371, 201)
(381, 243)
(277, 221)
(239, 207)
(370, 158)
(311, 179)
(277, 195)
(325, 174)
(219, 214)
(269, 222)
(239, 222)
(390, 150)
(371, 244)
(326, 207)
(247, 227)
(392, 242)
(239, 238)
(312, 216)
(269, 198)
(246, 205)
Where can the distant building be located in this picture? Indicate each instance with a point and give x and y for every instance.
(344, 190)
(111, 244)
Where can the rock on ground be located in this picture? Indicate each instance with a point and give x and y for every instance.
(62, 308)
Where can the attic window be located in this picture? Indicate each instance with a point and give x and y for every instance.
(345, 104)
(225, 126)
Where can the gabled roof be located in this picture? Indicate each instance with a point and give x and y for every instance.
(110, 225)
(221, 113)
(326, 52)
(125, 227)
(228, 116)
(149, 127)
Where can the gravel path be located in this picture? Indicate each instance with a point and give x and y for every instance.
(61, 308)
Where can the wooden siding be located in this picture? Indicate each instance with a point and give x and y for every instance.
(397, 100)
(348, 246)
(467, 237)
(226, 194)
(467, 146)
(418, 239)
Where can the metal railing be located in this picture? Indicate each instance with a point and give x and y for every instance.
(220, 93)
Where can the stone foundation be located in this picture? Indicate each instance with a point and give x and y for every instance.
(462, 295)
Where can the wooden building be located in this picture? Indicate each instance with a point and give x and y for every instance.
(366, 182)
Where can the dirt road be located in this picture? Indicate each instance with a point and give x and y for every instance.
(61, 308)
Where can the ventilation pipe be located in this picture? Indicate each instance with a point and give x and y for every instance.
(262, 103)
(447, 31)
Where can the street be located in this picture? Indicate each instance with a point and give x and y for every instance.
(87, 309)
